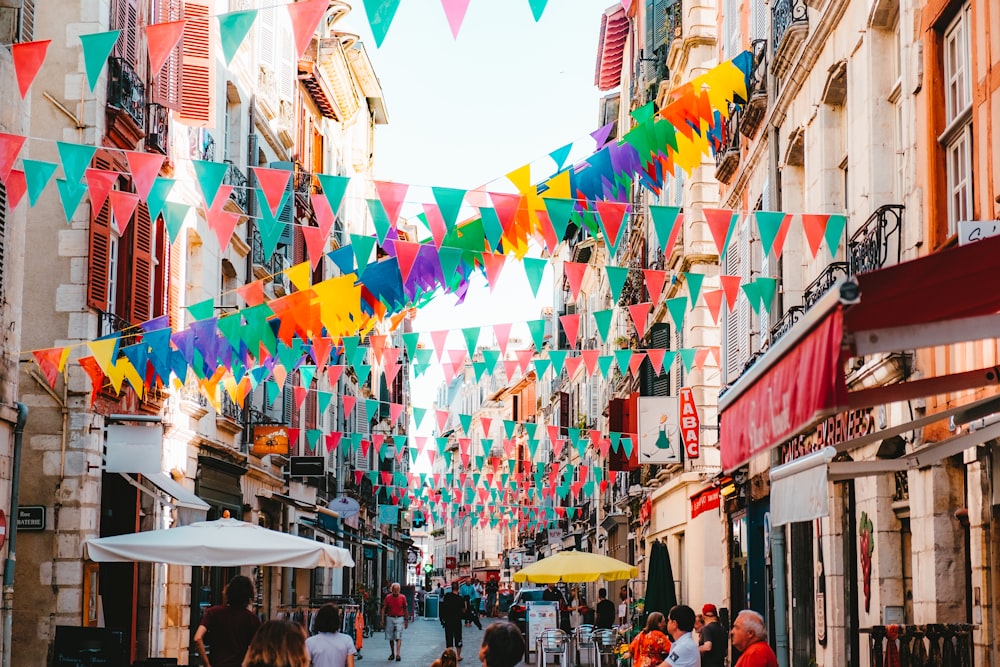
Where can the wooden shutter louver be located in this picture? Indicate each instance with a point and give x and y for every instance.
(139, 297)
(166, 86)
(126, 19)
(99, 242)
(197, 71)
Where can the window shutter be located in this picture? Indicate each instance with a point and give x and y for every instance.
(563, 409)
(288, 402)
(174, 283)
(140, 296)
(265, 37)
(26, 31)
(197, 69)
(161, 304)
(595, 398)
(731, 27)
(99, 243)
(126, 19)
(166, 88)
(758, 20)
(3, 236)
(744, 309)
(286, 214)
(287, 69)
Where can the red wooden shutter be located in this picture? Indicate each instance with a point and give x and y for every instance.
(160, 301)
(140, 293)
(166, 87)
(99, 244)
(174, 287)
(197, 70)
(125, 17)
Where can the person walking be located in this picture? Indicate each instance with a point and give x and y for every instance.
(492, 588)
(683, 652)
(278, 644)
(329, 647)
(229, 627)
(468, 591)
(750, 638)
(451, 612)
(395, 618)
(605, 611)
(477, 598)
(652, 645)
(712, 638)
(503, 645)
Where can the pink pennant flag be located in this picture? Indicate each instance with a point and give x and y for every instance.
(506, 206)
(349, 402)
(656, 359)
(502, 333)
(700, 355)
(731, 288)
(486, 422)
(523, 359)
(612, 214)
(406, 255)
(274, 184)
(392, 196)
(635, 362)
(510, 368)
(672, 241)
(221, 221)
(604, 446)
(99, 183)
(391, 371)
(17, 185)
(435, 221)
(574, 276)
(305, 18)
(438, 340)
(333, 373)
(123, 205)
(716, 353)
(654, 283)
(548, 232)
(779, 238)
(493, 264)
(573, 365)
(640, 313)
(395, 411)
(571, 325)
(713, 299)
(161, 38)
(457, 357)
(590, 360)
(390, 355)
(144, 167)
(321, 208)
(814, 225)
(28, 58)
(442, 419)
(455, 10)
(333, 440)
(10, 146)
(315, 244)
(557, 446)
(719, 221)
(299, 394)
(251, 293)
(377, 344)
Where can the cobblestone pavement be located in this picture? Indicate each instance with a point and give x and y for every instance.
(423, 642)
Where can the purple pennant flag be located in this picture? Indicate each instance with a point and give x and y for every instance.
(601, 135)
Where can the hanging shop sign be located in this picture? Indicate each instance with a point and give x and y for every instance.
(270, 440)
(690, 424)
(705, 500)
(659, 430)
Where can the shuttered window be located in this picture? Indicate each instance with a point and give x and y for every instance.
(26, 31)
(125, 17)
(730, 325)
(651, 384)
(197, 69)
(166, 86)
(99, 244)
(361, 461)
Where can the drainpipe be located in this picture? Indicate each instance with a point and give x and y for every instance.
(8, 568)
(780, 595)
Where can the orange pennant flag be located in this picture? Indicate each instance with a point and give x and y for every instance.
(51, 361)
(731, 288)
(713, 299)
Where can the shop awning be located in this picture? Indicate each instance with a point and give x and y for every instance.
(611, 48)
(190, 507)
(947, 297)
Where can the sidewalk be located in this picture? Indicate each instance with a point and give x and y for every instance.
(423, 643)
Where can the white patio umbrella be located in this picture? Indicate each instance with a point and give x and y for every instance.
(224, 542)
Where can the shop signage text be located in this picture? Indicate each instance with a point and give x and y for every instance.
(31, 517)
(690, 424)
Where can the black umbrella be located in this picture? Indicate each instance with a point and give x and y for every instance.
(660, 593)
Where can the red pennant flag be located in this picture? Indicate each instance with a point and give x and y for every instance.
(719, 220)
(635, 362)
(123, 205)
(779, 238)
(377, 343)
(573, 365)
(28, 58)
(493, 264)
(293, 438)
(814, 225)
(506, 207)
(321, 208)
(731, 288)
(252, 293)
(510, 368)
(502, 333)
(524, 358)
(321, 348)
(300, 396)
(612, 214)
(442, 419)
(305, 18)
(700, 355)
(333, 373)
(654, 283)
(161, 38)
(17, 185)
(571, 325)
(395, 410)
(548, 232)
(640, 313)
(315, 240)
(10, 146)
(486, 422)
(349, 402)
(438, 340)
(391, 370)
(656, 359)
(716, 353)
(390, 356)
(144, 167)
(406, 254)
(99, 183)
(93, 370)
(392, 196)
(274, 184)
(435, 221)
(590, 359)
(713, 299)
(333, 440)
(574, 276)
(49, 361)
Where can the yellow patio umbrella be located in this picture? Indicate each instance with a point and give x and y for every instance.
(575, 567)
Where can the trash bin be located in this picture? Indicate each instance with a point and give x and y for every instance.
(431, 606)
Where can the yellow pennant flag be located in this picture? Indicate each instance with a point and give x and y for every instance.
(300, 275)
(521, 178)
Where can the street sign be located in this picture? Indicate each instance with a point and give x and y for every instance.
(31, 517)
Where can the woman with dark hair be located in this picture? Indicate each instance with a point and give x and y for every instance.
(651, 646)
(329, 647)
(229, 627)
(278, 644)
(503, 645)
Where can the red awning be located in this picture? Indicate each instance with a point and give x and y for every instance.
(948, 297)
(611, 48)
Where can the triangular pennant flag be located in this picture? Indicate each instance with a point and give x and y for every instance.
(493, 264)
(380, 14)
(590, 360)
(602, 318)
(699, 358)
(559, 211)
(233, 29)
(640, 313)
(70, 194)
(814, 226)
(534, 269)
(144, 167)
(75, 159)
(392, 195)
(617, 275)
(655, 357)
(622, 357)
(713, 299)
(694, 281)
(363, 246)
(542, 367)
(654, 283)
(315, 239)
(17, 185)
(537, 330)
(334, 188)
(299, 275)
(37, 174)
(273, 183)
(731, 288)
(687, 358)
(752, 290)
(677, 307)
(96, 49)
(380, 220)
(612, 215)
(506, 207)
(835, 227)
(210, 176)
(537, 7)
(604, 364)
(161, 39)
(558, 359)
(574, 276)
(99, 183)
(502, 333)
(719, 220)
(492, 229)
(10, 146)
(52, 362)
(123, 205)
(571, 325)
(28, 58)
(768, 225)
(406, 255)
(667, 221)
(471, 335)
(305, 17)
(766, 288)
(449, 200)
(636, 362)
(454, 11)
(173, 218)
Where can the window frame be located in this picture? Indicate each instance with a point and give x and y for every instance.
(958, 118)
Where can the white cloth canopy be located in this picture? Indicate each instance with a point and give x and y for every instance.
(225, 542)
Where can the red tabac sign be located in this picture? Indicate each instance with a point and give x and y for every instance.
(705, 500)
(690, 424)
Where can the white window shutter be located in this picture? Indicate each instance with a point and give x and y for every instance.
(744, 309)
(266, 37)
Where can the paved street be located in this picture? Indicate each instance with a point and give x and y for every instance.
(423, 642)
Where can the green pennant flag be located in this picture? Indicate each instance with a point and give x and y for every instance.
(537, 7)
(173, 219)
(413, 455)
(233, 29)
(687, 358)
(371, 408)
(532, 447)
(75, 159)
(423, 355)
(616, 439)
(37, 174)
(410, 341)
(271, 228)
(362, 246)
(534, 269)
(835, 226)
(210, 176)
(96, 49)
(323, 399)
(273, 391)
(380, 14)
(664, 219)
(588, 219)
(508, 428)
(622, 358)
(306, 374)
(360, 355)
(537, 330)
(603, 320)
(669, 358)
(643, 113)
(677, 307)
(604, 364)
(766, 288)
(471, 335)
(380, 219)
(203, 309)
(158, 195)
(466, 422)
(617, 275)
(531, 428)
(418, 416)
(638, 138)
(753, 294)
(450, 258)
(312, 438)
(487, 445)
(694, 281)
(627, 446)
(70, 196)
(363, 371)
(290, 355)
(334, 188)
(355, 442)
(480, 368)
(542, 367)
(491, 357)
(559, 211)
(768, 225)
(729, 236)
(231, 328)
(558, 359)
(449, 202)
(492, 228)
(350, 345)
(560, 155)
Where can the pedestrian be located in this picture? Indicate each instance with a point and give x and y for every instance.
(492, 588)
(575, 607)
(683, 651)
(712, 638)
(477, 599)
(396, 611)
(651, 646)
(468, 591)
(329, 647)
(228, 627)
(278, 643)
(605, 617)
(750, 638)
(625, 598)
(553, 594)
(448, 659)
(503, 645)
(451, 612)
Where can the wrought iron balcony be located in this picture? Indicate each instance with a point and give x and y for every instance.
(949, 645)
(109, 323)
(753, 110)
(158, 128)
(236, 178)
(727, 156)
(303, 181)
(789, 22)
(823, 282)
(126, 91)
(230, 410)
(781, 327)
(675, 23)
(877, 243)
(257, 246)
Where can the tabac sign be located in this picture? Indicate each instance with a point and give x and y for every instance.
(690, 424)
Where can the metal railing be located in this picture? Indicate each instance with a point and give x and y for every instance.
(230, 410)
(158, 128)
(303, 181)
(781, 327)
(675, 23)
(126, 91)
(730, 138)
(758, 71)
(236, 178)
(878, 241)
(946, 645)
(257, 248)
(823, 282)
(109, 323)
(784, 15)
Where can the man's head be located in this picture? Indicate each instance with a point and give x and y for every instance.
(394, 589)
(454, 586)
(681, 620)
(602, 593)
(503, 645)
(552, 585)
(239, 591)
(709, 611)
(748, 629)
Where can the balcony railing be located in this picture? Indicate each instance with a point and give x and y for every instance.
(784, 15)
(878, 240)
(257, 245)
(303, 181)
(236, 178)
(675, 23)
(781, 327)
(158, 128)
(727, 156)
(230, 410)
(946, 645)
(753, 110)
(126, 91)
(109, 323)
(823, 282)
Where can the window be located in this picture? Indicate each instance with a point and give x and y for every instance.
(956, 67)
(957, 136)
(112, 295)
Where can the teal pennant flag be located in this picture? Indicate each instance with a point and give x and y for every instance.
(75, 159)
(173, 219)
(449, 202)
(233, 29)
(380, 14)
(559, 211)
(558, 359)
(334, 188)
(158, 195)
(617, 275)
(380, 219)
(270, 227)
(542, 367)
(471, 335)
(210, 176)
(363, 246)
(537, 330)
(96, 49)
(534, 269)
(37, 173)
(694, 281)
(603, 320)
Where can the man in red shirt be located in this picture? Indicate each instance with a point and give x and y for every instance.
(750, 638)
(395, 618)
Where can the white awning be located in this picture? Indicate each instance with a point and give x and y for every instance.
(799, 489)
(190, 507)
